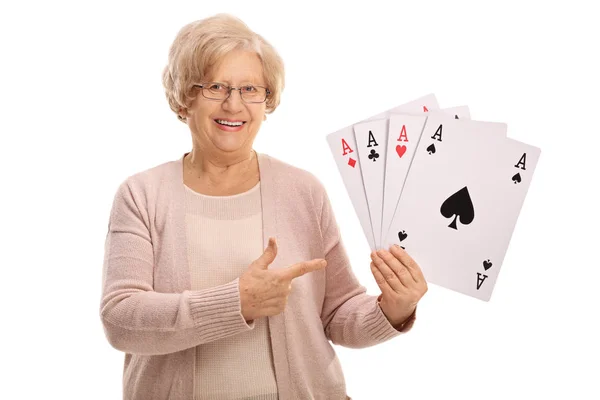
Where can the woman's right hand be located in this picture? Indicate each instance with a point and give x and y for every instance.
(264, 292)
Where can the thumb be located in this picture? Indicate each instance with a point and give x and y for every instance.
(268, 256)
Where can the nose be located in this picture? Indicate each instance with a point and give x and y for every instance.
(234, 102)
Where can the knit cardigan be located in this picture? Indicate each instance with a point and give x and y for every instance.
(149, 311)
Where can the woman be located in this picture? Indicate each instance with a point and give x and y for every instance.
(190, 293)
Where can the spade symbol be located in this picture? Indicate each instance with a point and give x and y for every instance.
(455, 116)
(431, 149)
(487, 264)
(516, 178)
(459, 205)
(402, 235)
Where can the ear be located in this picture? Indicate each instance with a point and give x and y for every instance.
(182, 114)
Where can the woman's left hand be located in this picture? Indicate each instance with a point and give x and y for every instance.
(401, 282)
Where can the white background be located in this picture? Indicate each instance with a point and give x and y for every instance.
(82, 108)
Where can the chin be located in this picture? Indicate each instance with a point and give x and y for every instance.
(230, 141)
(229, 144)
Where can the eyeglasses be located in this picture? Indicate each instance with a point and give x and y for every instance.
(221, 91)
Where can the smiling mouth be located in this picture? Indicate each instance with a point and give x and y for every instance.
(229, 123)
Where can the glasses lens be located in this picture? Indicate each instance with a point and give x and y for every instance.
(219, 91)
(216, 91)
(253, 94)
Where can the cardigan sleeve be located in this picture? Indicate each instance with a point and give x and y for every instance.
(350, 316)
(138, 320)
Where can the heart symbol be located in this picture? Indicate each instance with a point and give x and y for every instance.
(487, 265)
(402, 235)
(400, 150)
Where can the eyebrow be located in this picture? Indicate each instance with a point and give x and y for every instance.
(244, 82)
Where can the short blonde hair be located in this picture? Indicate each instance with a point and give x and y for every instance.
(202, 44)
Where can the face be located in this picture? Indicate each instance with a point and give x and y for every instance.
(237, 69)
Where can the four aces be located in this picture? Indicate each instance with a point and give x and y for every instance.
(444, 187)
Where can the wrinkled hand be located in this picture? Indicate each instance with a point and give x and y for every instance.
(264, 292)
(401, 282)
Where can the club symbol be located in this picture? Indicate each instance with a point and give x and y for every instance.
(402, 235)
(352, 162)
(373, 156)
(431, 149)
(487, 264)
(516, 178)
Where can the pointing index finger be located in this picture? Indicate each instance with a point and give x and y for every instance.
(302, 268)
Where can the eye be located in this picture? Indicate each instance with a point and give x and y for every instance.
(215, 86)
(249, 89)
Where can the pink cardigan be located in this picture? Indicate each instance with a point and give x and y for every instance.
(149, 312)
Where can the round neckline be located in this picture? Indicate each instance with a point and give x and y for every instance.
(231, 196)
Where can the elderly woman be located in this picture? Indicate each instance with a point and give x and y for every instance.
(224, 274)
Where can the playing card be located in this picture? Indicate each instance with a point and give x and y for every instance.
(458, 112)
(370, 140)
(403, 137)
(461, 201)
(421, 105)
(342, 144)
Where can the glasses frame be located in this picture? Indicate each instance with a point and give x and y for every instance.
(231, 88)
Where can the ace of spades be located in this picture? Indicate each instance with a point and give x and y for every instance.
(459, 206)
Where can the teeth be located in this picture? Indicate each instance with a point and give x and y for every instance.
(220, 121)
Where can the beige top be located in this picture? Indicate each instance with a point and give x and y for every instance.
(225, 235)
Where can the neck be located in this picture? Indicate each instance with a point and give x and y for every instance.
(221, 171)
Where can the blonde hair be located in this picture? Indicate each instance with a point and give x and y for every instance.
(202, 44)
